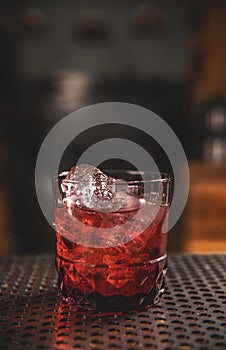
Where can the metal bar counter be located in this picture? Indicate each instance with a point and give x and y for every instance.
(191, 314)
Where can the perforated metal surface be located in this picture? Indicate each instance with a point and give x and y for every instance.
(191, 315)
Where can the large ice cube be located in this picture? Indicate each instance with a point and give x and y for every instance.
(88, 187)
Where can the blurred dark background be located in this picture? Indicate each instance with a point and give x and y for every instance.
(168, 56)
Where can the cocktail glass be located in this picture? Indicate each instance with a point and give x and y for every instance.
(114, 260)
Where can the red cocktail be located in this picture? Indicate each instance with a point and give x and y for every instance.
(113, 259)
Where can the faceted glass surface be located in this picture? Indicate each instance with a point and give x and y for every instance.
(102, 272)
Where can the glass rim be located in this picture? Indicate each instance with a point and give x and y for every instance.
(161, 177)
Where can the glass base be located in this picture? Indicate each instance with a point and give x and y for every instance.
(134, 295)
(115, 303)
